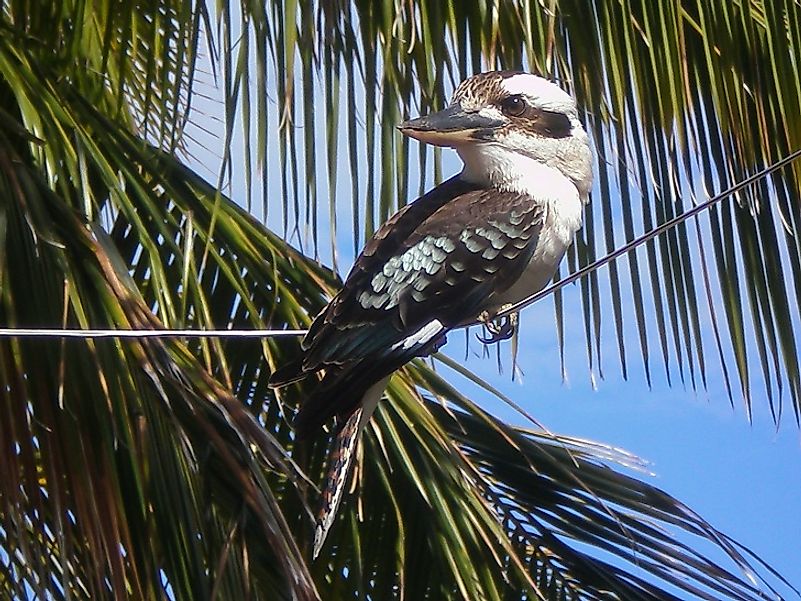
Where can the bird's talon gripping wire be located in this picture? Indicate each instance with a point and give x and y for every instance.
(499, 329)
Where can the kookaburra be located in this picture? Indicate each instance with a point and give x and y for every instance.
(488, 237)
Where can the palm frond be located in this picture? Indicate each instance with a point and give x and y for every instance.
(119, 456)
(683, 98)
(441, 483)
(127, 469)
(131, 469)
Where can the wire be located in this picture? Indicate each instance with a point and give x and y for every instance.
(77, 333)
(626, 248)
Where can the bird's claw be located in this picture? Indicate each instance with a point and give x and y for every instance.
(499, 329)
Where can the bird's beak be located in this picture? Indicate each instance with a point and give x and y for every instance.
(450, 127)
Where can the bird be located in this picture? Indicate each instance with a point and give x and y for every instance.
(466, 250)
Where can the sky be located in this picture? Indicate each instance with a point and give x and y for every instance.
(744, 478)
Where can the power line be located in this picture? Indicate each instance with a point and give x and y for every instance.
(98, 333)
(586, 270)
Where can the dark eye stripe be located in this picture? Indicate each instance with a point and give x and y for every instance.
(552, 125)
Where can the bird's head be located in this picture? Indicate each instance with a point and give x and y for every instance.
(503, 123)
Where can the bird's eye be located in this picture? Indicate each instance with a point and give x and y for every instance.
(514, 106)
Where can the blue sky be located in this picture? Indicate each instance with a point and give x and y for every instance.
(744, 478)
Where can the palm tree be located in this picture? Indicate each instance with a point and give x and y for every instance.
(163, 467)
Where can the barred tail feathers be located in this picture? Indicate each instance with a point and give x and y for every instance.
(340, 462)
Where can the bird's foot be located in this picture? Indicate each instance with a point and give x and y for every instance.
(499, 329)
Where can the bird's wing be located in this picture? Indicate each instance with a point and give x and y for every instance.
(378, 250)
(408, 287)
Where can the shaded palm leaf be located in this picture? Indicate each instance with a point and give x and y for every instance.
(122, 462)
(129, 469)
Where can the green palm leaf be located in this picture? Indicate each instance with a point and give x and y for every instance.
(165, 468)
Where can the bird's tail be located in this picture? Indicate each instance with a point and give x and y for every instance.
(340, 461)
(336, 477)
